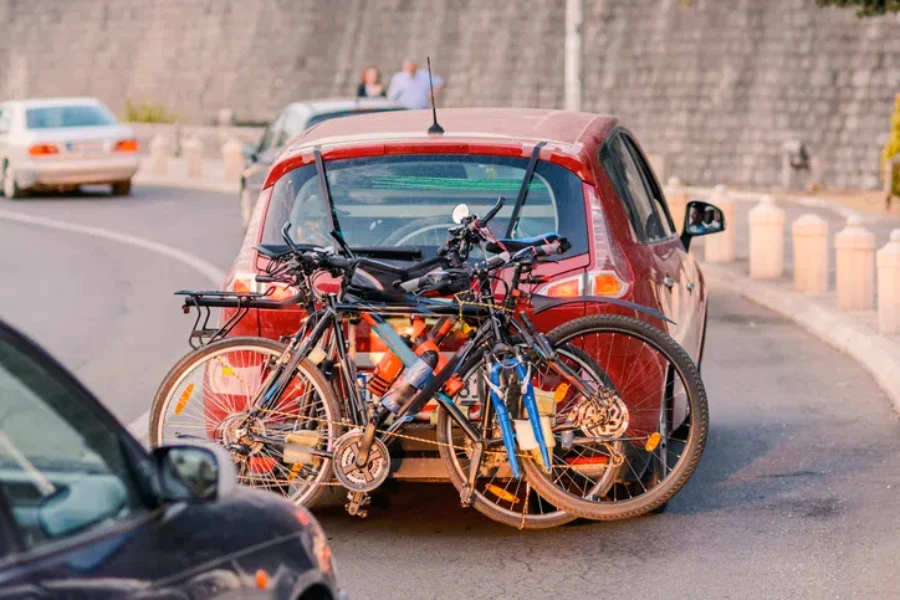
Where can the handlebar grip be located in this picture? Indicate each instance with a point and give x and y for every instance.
(337, 262)
(265, 279)
(560, 246)
(496, 261)
(493, 212)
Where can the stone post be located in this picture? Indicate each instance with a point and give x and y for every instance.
(889, 286)
(159, 155)
(766, 240)
(810, 234)
(722, 247)
(192, 150)
(677, 198)
(233, 159)
(855, 265)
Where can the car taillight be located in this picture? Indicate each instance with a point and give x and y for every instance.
(127, 146)
(611, 274)
(565, 288)
(43, 150)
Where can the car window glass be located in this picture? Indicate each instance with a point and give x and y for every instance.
(407, 200)
(271, 134)
(655, 191)
(53, 117)
(629, 183)
(292, 125)
(63, 469)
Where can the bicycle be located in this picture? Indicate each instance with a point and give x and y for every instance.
(504, 348)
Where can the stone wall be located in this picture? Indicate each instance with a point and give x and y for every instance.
(714, 87)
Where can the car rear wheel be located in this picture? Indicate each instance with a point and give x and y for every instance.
(11, 189)
(121, 188)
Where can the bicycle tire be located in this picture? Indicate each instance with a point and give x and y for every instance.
(689, 376)
(310, 372)
(480, 502)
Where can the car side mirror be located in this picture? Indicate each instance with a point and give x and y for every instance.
(249, 152)
(194, 472)
(701, 218)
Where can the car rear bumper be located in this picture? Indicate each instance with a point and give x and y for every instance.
(49, 172)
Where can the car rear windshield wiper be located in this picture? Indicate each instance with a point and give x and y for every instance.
(523, 189)
(333, 224)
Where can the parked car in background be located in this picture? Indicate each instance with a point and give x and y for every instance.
(394, 185)
(62, 143)
(294, 120)
(86, 512)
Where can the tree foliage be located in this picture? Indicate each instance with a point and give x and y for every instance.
(865, 8)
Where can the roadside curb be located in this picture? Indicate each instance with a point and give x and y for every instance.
(879, 355)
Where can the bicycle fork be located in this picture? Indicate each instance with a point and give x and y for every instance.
(523, 375)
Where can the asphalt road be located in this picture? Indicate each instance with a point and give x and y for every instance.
(796, 496)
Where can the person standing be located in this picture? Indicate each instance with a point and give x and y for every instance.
(410, 86)
(370, 84)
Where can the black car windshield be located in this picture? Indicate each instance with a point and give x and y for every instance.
(78, 115)
(407, 200)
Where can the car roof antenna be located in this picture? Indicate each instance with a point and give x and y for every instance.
(435, 128)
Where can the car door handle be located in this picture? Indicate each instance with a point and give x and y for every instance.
(669, 282)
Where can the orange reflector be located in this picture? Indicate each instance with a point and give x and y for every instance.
(587, 460)
(564, 289)
(560, 393)
(262, 580)
(652, 441)
(183, 399)
(43, 150)
(127, 146)
(501, 493)
(260, 464)
(606, 284)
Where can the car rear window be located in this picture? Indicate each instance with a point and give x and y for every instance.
(79, 115)
(408, 200)
(321, 117)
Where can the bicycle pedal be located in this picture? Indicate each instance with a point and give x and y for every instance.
(465, 496)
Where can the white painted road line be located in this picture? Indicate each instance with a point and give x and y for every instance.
(138, 427)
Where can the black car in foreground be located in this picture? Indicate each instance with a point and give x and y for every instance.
(86, 512)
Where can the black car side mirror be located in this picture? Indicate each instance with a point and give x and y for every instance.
(194, 472)
(701, 218)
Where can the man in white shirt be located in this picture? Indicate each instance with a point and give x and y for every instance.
(410, 86)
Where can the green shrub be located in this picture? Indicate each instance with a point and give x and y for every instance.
(892, 148)
(147, 112)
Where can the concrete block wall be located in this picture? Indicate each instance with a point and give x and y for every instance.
(713, 88)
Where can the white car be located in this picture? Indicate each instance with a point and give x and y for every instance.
(61, 143)
(296, 118)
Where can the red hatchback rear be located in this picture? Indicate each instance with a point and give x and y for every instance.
(394, 185)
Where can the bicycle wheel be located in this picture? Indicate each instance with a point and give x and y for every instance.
(206, 397)
(497, 494)
(647, 423)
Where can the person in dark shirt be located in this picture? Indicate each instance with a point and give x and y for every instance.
(370, 84)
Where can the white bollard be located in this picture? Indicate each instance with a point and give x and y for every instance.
(722, 247)
(677, 198)
(810, 234)
(233, 159)
(192, 150)
(889, 286)
(159, 155)
(766, 240)
(854, 249)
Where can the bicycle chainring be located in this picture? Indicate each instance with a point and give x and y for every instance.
(369, 476)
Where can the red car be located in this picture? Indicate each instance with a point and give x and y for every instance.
(395, 185)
